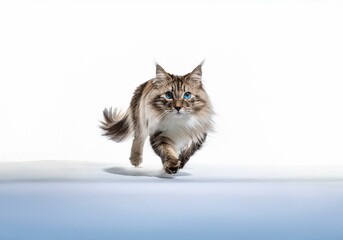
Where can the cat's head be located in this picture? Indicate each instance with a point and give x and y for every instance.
(179, 96)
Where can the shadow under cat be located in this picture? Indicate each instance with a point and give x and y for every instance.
(142, 172)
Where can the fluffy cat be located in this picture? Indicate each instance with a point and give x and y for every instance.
(174, 111)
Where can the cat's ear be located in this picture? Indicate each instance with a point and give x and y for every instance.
(161, 75)
(195, 76)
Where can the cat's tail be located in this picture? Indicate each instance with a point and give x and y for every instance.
(117, 125)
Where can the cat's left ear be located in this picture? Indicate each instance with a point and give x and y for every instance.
(196, 75)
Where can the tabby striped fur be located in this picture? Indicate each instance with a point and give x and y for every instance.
(177, 126)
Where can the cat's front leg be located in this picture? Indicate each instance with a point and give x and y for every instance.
(137, 151)
(188, 152)
(171, 165)
(164, 147)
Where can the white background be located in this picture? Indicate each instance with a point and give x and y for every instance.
(273, 70)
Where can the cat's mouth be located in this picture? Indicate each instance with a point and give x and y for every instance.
(178, 114)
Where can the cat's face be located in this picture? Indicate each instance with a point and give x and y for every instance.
(179, 96)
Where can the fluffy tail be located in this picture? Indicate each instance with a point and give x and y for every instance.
(117, 126)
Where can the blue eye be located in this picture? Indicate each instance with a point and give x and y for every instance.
(168, 95)
(187, 95)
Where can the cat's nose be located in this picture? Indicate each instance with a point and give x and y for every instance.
(177, 108)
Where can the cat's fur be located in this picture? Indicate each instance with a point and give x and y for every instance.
(177, 127)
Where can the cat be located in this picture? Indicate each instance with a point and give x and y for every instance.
(174, 111)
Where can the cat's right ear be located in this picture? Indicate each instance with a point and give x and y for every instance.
(161, 76)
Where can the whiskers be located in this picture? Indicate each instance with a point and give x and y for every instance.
(163, 115)
(188, 110)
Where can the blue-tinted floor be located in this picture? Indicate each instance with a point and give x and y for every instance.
(171, 210)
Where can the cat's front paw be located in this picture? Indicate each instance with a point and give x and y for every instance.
(171, 166)
(136, 159)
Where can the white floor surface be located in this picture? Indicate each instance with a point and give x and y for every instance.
(82, 200)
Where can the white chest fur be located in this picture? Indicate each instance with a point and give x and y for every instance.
(182, 130)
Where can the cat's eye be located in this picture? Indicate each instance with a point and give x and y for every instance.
(187, 95)
(168, 95)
